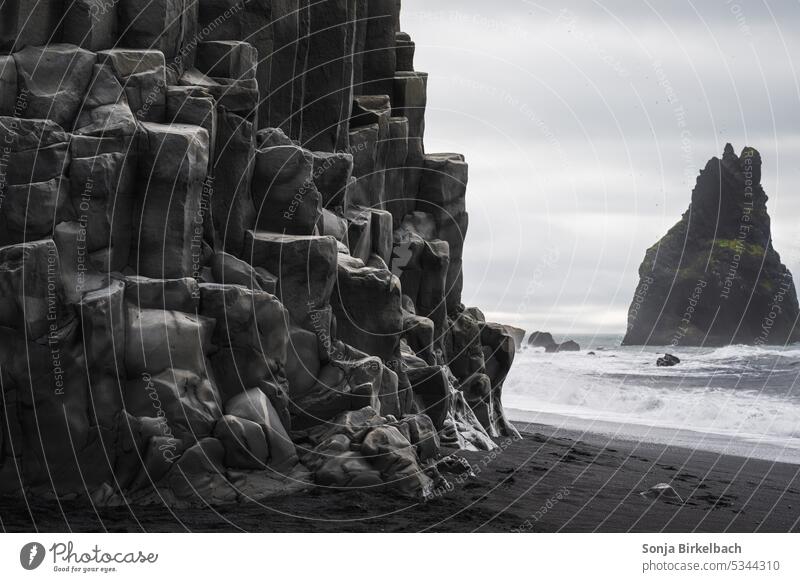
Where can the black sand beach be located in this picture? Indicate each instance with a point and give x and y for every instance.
(550, 481)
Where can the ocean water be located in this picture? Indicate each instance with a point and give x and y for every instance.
(742, 400)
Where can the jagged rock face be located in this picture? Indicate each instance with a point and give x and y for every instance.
(715, 278)
(228, 268)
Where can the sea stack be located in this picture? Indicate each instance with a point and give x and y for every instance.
(715, 278)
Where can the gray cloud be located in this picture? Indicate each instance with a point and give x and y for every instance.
(585, 124)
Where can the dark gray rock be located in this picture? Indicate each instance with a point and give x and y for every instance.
(168, 231)
(89, 24)
(284, 194)
(223, 251)
(667, 360)
(143, 75)
(229, 187)
(54, 79)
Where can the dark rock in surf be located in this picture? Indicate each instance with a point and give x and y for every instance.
(567, 346)
(540, 339)
(667, 360)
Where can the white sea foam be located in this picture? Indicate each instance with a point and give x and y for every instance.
(747, 392)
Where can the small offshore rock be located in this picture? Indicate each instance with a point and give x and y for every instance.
(667, 361)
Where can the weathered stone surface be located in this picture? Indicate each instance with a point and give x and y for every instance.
(30, 211)
(350, 381)
(168, 228)
(371, 131)
(159, 340)
(382, 234)
(78, 269)
(498, 352)
(419, 332)
(332, 173)
(404, 52)
(715, 278)
(104, 112)
(229, 59)
(380, 62)
(167, 294)
(285, 196)
(344, 468)
(244, 441)
(397, 199)
(31, 290)
(101, 193)
(227, 269)
(419, 431)
(303, 363)
(254, 406)
(353, 424)
(431, 393)
(102, 314)
(391, 453)
(38, 150)
(359, 233)
(409, 100)
(144, 452)
(54, 79)
(46, 402)
(517, 333)
(232, 206)
(422, 263)
(8, 85)
(368, 308)
(305, 267)
(188, 402)
(462, 346)
(143, 75)
(269, 137)
(238, 96)
(360, 46)
(255, 22)
(169, 26)
(442, 193)
(364, 147)
(290, 27)
(197, 478)
(29, 22)
(152, 200)
(193, 106)
(246, 318)
(331, 224)
(329, 75)
(89, 24)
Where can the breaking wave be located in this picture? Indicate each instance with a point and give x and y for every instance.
(744, 391)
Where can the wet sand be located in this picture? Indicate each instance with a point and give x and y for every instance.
(550, 481)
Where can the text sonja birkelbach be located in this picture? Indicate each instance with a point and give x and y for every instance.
(691, 548)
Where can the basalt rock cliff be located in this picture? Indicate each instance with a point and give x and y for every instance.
(229, 269)
(715, 278)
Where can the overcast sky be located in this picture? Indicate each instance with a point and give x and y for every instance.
(585, 124)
